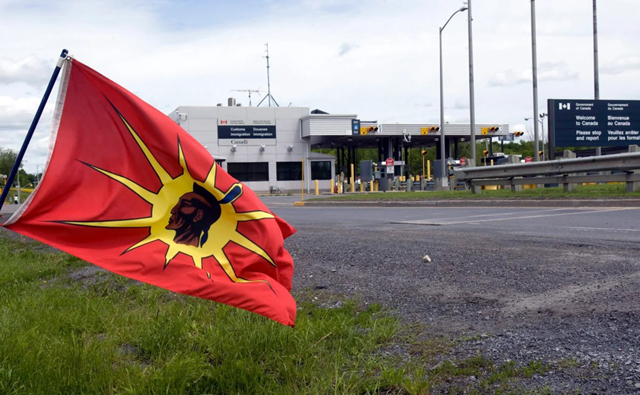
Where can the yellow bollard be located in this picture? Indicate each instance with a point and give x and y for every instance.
(361, 186)
(428, 170)
(331, 186)
(353, 179)
(317, 188)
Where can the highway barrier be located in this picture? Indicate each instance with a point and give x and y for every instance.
(620, 168)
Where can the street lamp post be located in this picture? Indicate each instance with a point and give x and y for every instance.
(544, 114)
(443, 173)
(534, 70)
(472, 110)
(38, 175)
(537, 144)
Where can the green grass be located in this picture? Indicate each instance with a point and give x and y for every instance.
(14, 191)
(608, 191)
(68, 328)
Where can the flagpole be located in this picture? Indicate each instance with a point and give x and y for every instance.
(34, 123)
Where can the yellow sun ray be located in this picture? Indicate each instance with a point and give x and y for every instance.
(159, 170)
(147, 240)
(253, 216)
(251, 246)
(147, 195)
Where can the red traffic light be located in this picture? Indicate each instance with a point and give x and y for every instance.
(434, 128)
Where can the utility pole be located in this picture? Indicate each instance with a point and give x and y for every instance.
(534, 61)
(472, 111)
(596, 77)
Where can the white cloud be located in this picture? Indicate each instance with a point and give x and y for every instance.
(510, 77)
(17, 113)
(346, 48)
(461, 104)
(31, 70)
(546, 72)
(620, 65)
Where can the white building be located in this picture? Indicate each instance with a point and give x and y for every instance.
(260, 146)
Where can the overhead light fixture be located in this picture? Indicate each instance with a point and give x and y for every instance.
(233, 148)
(262, 147)
(290, 147)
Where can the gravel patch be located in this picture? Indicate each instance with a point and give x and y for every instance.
(571, 305)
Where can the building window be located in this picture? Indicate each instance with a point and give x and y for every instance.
(289, 171)
(321, 170)
(249, 171)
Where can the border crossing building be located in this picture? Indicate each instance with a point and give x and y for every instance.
(269, 148)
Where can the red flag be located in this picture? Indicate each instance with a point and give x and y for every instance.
(127, 189)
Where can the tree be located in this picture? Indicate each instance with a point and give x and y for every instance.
(7, 159)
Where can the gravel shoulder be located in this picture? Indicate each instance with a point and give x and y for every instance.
(574, 306)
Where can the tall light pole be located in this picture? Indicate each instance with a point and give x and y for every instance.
(38, 177)
(534, 69)
(472, 111)
(537, 146)
(443, 156)
(596, 77)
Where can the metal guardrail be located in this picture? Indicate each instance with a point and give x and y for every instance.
(561, 171)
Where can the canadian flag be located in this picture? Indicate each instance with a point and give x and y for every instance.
(224, 122)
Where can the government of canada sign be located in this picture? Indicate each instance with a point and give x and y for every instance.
(594, 123)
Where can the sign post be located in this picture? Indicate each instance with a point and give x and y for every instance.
(390, 163)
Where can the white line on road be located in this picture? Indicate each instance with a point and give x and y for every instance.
(426, 222)
(586, 229)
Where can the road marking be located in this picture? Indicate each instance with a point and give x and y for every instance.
(586, 229)
(425, 222)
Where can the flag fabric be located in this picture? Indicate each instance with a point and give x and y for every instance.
(127, 189)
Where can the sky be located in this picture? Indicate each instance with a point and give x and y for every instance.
(378, 59)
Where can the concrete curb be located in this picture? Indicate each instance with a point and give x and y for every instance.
(480, 203)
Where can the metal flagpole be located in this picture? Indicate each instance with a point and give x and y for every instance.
(32, 129)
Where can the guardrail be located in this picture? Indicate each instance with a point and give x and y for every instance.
(567, 172)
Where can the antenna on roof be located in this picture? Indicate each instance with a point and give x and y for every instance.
(268, 81)
(249, 91)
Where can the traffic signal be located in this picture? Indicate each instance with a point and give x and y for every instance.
(485, 153)
(493, 128)
(423, 153)
(372, 129)
(540, 153)
(518, 134)
(434, 128)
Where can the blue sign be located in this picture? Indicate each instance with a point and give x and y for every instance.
(246, 131)
(594, 123)
(355, 126)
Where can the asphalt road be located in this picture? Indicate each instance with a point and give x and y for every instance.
(571, 224)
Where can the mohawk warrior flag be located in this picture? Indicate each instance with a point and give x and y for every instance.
(126, 188)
